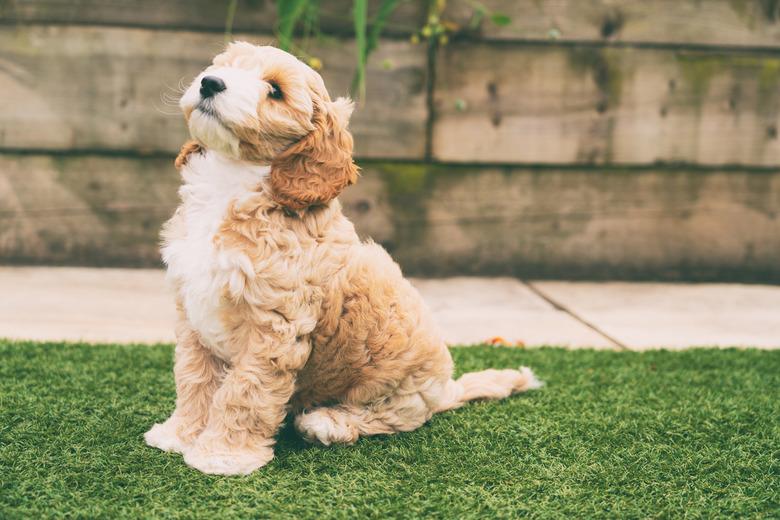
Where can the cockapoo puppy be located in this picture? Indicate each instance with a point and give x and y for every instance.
(282, 309)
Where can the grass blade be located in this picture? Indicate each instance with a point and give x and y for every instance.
(360, 16)
(288, 12)
(368, 42)
(380, 20)
(231, 15)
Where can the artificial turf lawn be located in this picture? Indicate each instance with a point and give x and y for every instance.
(659, 434)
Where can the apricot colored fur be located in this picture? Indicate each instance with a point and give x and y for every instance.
(318, 167)
(187, 149)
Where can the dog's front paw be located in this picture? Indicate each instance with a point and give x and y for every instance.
(216, 459)
(165, 437)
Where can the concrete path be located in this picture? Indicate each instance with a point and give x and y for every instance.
(128, 305)
(646, 315)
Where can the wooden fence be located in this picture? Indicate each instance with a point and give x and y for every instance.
(586, 139)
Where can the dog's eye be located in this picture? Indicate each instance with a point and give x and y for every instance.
(276, 92)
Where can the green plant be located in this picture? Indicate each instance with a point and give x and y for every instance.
(292, 14)
(302, 17)
(438, 29)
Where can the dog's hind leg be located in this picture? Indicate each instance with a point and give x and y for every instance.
(408, 408)
(407, 411)
(343, 424)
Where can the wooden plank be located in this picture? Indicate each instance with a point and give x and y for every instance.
(514, 103)
(84, 210)
(435, 220)
(714, 22)
(549, 223)
(252, 16)
(95, 88)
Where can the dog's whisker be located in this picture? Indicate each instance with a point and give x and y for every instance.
(169, 99)
(178, 89)
(174, 94)
(168, 108)
(166, 112)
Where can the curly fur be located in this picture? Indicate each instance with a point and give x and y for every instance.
(187, 149)
(282, 309)
(317, 168)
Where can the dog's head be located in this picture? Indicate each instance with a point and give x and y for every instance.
(261, 104)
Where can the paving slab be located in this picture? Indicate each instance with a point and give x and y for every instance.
(135, 305)
(667, 315)
(95, 305)
(473, 310)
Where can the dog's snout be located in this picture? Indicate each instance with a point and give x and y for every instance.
(211, 85)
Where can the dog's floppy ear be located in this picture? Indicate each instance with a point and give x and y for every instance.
(318, 167)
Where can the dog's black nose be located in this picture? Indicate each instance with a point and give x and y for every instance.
(211, 85)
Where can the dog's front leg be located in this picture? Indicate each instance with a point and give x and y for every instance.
(197, 373)
(247, 410)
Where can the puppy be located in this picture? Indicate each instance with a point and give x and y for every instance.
(282, 309)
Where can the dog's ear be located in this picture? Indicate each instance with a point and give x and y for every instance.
(318, 167)
(187, 149)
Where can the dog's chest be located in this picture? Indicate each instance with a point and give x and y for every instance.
(200, 270)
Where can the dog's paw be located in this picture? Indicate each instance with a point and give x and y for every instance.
(165, 437)
(321, 427)
(216, 460)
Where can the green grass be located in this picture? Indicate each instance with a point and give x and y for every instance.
(659, 434)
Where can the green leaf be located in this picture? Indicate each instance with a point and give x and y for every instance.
(380, 20)
(360, 16)
(378, 23)
(500, 19)
(231, 14)
(476, 19)
(288, 12)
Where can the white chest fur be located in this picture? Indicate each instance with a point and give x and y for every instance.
(201, 271)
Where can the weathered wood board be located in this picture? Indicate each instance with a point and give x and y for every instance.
(556, 223)
(85, 210)
(252, 16)
(515, 103)
(435, 220)
(98, 88)
(658, 84)
(753, 23)
(711, 22)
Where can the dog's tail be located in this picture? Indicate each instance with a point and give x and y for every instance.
(487, 384)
